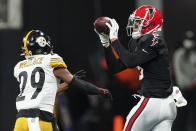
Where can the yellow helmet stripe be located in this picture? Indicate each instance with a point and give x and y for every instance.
(25, 42)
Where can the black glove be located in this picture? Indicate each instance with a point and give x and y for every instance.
(80, 74)
(106, 94)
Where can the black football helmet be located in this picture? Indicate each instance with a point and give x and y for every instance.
(36, 42)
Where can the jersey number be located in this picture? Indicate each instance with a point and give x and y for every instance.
(38, 85)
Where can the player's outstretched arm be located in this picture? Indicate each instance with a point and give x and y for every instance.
(75, 82)
(64, 86)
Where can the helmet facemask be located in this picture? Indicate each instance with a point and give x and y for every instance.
(135, 26)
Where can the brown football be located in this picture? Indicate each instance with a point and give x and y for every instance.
(100, 24)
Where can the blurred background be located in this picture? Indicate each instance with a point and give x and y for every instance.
(69, 23)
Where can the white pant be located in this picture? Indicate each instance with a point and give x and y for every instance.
(151, 114)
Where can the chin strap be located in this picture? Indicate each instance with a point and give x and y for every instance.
(136, 35)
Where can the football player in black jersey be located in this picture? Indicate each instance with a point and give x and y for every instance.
(147, 51)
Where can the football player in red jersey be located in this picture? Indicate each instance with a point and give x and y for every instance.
(147, 51)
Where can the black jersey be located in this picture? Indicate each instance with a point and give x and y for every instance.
(150, 54)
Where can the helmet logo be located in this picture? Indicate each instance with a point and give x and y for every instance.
(151, 12)
(41, 41)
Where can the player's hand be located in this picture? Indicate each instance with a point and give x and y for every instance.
(178, 97)
(80, 74)
(106, 94)
(114, 27)
(104, 38)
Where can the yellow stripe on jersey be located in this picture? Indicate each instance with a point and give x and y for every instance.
(56, 59)
(58, 64)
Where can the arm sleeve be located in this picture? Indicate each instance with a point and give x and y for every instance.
(137, 58)
(114, 65)
(85, 86)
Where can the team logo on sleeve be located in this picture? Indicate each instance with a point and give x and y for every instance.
(152, 12)
(155, 39)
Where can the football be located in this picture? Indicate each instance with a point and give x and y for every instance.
(100, 25)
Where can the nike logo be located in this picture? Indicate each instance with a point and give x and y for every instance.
(144, 51)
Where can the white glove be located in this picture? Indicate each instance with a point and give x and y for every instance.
(104, 38)
(113, 29)
(177, 96)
